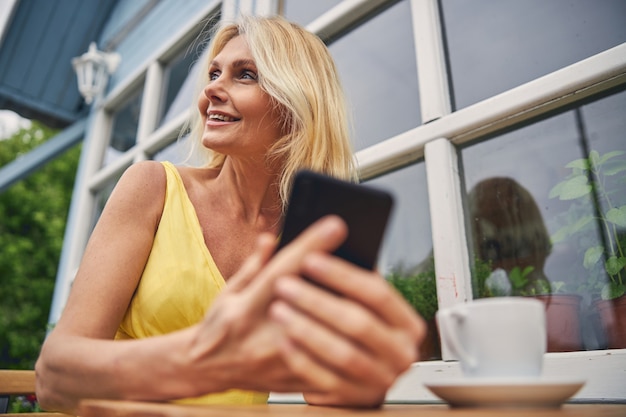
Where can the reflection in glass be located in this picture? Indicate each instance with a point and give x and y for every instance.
(406, 257)
(547, 215)
(178, 94)
(125, 123)
(378, 70)
(497, 45)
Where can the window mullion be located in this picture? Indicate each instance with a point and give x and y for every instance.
(431, 65)
(448, 226)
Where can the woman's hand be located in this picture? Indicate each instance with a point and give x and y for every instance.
(351, 344)
(270, 330)
(237, 344)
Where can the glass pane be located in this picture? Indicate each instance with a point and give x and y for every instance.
(406, 257)
(378, 71)
(179, 153)
(497, 45)
(181, 75)
(125, 123)
(101, 197)
(537, 226)
(304, 12)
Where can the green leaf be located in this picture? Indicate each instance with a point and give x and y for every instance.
(574, 188)
(528, 270)
(617, 216)
(613, 290)
(612, 169)
(614, 264)
(518, 278)
(610, 155)
(579, 163)
(561, 234)
(580, 223)
(557, 189)
(592, 256)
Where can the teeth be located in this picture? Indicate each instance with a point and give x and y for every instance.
(221, 117)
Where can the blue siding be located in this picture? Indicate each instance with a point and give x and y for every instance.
(36, 76)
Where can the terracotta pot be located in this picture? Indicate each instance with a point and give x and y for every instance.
(563, 322)
(612, 315)
(430, 349)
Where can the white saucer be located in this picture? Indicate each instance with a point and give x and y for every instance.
(506, 392)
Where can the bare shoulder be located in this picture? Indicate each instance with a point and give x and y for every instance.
(145, 173)
(141, 189)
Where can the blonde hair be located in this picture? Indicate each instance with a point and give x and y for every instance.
(297, 71)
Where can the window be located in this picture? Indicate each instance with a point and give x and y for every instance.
(304, 12)
(536, 239)
(125, 123)
(377, 68)
(497, 45)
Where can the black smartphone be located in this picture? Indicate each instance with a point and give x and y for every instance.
(365, 210)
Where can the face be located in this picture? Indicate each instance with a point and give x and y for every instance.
(238, 117)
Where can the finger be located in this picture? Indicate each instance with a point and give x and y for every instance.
(324, 235)
(390, 344)
(367, 288)
(265, 246)
(330, 348)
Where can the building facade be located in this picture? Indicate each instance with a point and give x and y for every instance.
(470, 112)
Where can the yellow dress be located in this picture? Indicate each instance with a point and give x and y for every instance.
(179, 283)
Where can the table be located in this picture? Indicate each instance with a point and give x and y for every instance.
(110, 408)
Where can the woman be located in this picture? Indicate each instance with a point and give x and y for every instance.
(171, 239)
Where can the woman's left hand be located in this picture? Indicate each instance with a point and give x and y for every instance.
(350, 343)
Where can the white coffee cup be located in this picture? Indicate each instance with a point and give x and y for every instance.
(502, 337)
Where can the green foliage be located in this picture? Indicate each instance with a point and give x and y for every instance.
(600, 179)
(24, 404)
(481, 270)
(419, 289)
(33, 213)
(522, 285)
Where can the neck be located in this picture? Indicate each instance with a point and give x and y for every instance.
(250, 191)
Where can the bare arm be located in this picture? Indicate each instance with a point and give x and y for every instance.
(79, 357)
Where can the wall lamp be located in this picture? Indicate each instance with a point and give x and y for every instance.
(93, 69)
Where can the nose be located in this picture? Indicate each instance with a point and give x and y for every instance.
(215, 91)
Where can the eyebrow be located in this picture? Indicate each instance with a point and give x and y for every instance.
(239, 63)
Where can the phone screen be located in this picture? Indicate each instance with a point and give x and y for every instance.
(365, 210)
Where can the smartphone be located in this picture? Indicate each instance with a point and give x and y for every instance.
(365, 210)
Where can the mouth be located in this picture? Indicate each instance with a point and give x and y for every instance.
(222, 118)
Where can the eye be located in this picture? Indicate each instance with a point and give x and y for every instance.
(248, 75)
(214, 75)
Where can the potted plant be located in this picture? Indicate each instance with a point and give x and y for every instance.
(562, 308)
(420, 291)
(595, 222)
(418, 285)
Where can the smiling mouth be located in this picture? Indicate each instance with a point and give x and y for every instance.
(222, 118)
